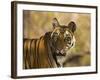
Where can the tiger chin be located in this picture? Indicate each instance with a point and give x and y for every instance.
(51, 49)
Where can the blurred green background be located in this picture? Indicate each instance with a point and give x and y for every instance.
(37, 23)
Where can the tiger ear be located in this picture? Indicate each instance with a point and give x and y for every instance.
(55, 22)
(72, 26)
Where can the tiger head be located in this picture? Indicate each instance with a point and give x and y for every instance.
(62, 37)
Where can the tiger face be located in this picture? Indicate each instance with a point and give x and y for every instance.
(63, 37)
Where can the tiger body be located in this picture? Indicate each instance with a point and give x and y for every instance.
(37, 54)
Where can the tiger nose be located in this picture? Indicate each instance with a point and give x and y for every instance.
(62, 51)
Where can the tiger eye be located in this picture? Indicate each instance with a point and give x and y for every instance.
(67, 39)
(55, 34)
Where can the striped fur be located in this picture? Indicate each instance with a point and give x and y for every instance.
(37, 54)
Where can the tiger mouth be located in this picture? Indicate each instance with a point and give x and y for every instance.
(60, 53)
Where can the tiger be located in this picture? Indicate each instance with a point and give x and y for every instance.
(51, 49)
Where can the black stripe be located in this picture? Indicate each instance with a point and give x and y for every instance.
(38, 54)
(31, 53)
